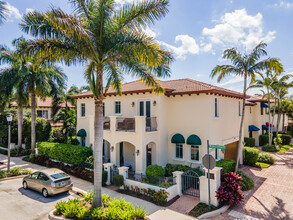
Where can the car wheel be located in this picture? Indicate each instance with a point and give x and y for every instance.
(45, 193)
(24, 184)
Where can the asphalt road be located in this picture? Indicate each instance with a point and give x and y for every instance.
(19, 204)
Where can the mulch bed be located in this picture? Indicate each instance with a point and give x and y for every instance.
(144, 197)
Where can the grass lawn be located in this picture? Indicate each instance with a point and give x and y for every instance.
(284, 148)
(263, 165)
(201, 208)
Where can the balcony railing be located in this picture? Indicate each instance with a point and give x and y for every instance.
(151, 124)
(125, 124)
(106, 123)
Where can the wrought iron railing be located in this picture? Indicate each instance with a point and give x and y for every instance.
(151, 124)
(106, 123)
(163, 182)
(125, 124)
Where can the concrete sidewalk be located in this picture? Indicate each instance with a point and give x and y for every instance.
(155, 212)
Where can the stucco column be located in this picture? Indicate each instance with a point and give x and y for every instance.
(113, 154)
(123, 171)
(113, 123)
(215, 182)
(178, 177)
(108, 167)
(140, 159)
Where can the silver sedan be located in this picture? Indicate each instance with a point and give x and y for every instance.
(48, 182)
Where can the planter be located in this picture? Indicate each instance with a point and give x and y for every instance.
(214, 213)
(52, 216)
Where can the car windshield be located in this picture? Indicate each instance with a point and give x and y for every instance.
(59, 175)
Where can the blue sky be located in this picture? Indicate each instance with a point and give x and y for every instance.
(196, 31)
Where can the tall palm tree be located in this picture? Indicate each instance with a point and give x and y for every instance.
(111, 42)
(2, 11)
(246, 66)
(32, 75)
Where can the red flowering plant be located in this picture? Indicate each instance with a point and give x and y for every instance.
(229, 193)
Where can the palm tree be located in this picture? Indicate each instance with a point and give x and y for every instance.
(2, 11)
(33, 76)
(245, 66)
(8, 79)
(111, 42)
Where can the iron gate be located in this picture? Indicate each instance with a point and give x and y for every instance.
(190, 183)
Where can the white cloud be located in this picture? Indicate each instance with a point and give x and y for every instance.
(28, 10)
(188, 46)
(238, 28)
(234, 80)
(12, 13)
(283, 4)
(207, 48)
(123, 2)
(198, 75)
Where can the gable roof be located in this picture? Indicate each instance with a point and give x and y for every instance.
(172, 88)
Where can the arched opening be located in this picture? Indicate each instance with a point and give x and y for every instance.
(106, 152)
(151, 154)
(126, 155)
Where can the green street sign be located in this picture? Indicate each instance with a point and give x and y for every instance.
(217, 146)
(211, 150)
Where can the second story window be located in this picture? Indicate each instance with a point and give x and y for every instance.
(216, 108)
(42, 114)
(239, 108)
(82, 110)
(179, 151)
(117, 107)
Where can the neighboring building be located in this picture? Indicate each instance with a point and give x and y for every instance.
(257, 118)
(143, 128)
(44, 109)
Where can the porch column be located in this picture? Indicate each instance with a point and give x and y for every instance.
(178, 178)
(123, 171)
(215, 182)
(140, 157)
(108, 167)
(113, 154)
(112, 123)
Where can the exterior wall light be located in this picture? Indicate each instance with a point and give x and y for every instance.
(137, 152)
(155, 103)
(112, 148)
(133, 104)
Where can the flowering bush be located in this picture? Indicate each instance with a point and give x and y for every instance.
(229, 192)
(160, 197)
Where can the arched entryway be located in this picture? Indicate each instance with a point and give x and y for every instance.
(151, 154)
(106, 152)
(125, 155)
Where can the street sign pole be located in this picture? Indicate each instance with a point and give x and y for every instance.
(209, 189)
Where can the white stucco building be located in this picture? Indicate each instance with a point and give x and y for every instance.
(143, 128)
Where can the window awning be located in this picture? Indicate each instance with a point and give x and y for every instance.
(264, 105)
(264, 127)
(253, 128)
(193, 140)
(178, 139)
(269, 125)
(81, 133)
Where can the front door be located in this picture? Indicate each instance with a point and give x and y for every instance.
(121, 155)
(149, 155)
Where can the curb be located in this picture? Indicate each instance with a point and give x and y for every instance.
(51, 216)
(12, 177)
(214, 213)
(77, 191)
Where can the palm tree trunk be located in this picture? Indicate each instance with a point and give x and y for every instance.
(239, 149)
(279, 118)
(283, 127)
(33, 122)
(19, 127)
(270, 128)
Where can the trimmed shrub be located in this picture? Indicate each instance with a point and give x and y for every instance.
(16, 171)
(246, 183)
(266, 158)
(170, 168)
(155, 171)
(118, 180)
(57, 135)
(250, 155)
(3, 174)
(74, 141)
(66, 153)
(228, 165)
(104, 177)
(278, 141)
(5, 152)
(286, 139)
(160, 197)
(250, 142)
(229, 193)
(263, 139)
(269, 148)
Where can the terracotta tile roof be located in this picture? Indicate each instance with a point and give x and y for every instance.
(172, 87)
(247, 103)
(57, 124)
(47, 103)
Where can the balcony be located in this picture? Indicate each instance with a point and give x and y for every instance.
(106, 123)
(125, 124)
(151, 124)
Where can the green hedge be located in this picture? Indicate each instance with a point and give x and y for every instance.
(170, 168)
(228, 165)
(269, 148)
(66, 153)
(286, 139)
(247, 183)
(250, 142)
(266, 158)
(263, 139)
(118, 180)
(155, 171)
(250, 155)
